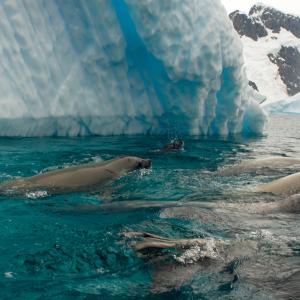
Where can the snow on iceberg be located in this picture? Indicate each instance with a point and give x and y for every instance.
(287, 106)
(122, 67)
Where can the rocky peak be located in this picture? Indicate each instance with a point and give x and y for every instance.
(247, 26)
(275, 19)
(288, 62)
(258, 8)
(261, 18)
(274, 38)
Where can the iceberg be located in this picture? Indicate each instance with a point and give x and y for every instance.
(290, 105)
(99, 67)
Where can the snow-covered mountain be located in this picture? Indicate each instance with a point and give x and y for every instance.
(271, 42)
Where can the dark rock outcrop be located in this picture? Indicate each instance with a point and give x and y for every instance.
(260, 19)
(288, 62)
(253, 85)
(275, 19)
(246, 26)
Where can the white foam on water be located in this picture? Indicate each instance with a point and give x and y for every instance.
(37, 194)
(196, 253)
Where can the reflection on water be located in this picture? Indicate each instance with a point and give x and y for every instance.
(70, 247)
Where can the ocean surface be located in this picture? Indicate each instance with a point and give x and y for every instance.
(71, 246)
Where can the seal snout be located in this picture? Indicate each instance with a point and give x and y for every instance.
(145, 163)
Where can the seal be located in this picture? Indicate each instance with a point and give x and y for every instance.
(287, 185)
(263, 164)
(290, 205)
(174, 145)
(155, 241)
(78, 178)
(219, 211)
(197, 210)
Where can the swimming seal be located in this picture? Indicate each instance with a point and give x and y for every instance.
(76, 179)
(174, 145)
(155, 241)
(287, 185)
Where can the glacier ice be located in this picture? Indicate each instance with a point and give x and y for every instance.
(78, 67)
(289, 105)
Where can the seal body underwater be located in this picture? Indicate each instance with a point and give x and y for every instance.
(255, 165)
(290, 205)
(76, 179)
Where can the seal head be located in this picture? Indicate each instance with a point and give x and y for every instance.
(144, 164)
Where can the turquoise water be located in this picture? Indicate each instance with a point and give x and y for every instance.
(71, 247)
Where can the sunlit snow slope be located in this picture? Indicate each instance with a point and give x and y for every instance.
(104, 67)
(271, 41)
(259, 67)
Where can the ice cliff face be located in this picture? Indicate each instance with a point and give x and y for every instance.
(122, 66)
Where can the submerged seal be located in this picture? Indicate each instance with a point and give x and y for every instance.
(289, 205)
(77, 179)
(255, 165)
(155, 241)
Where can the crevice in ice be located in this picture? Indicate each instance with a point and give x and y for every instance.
(150, 69)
